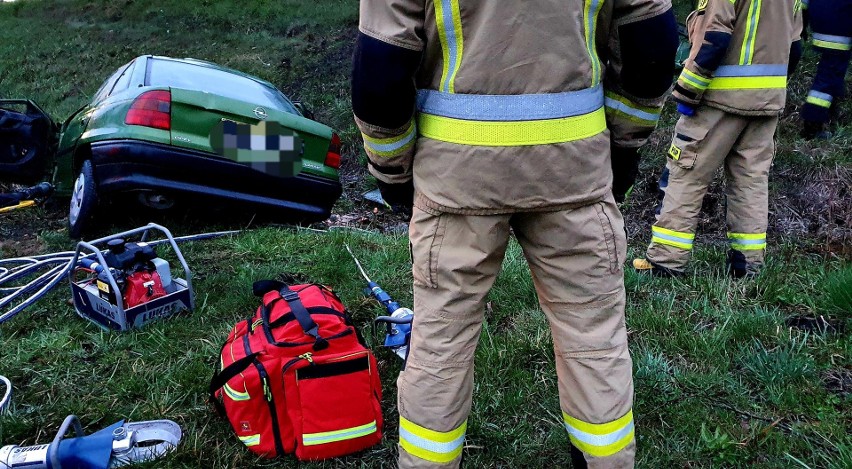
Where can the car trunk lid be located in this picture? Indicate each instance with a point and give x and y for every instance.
(198, 119)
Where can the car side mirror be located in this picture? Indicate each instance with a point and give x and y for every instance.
(304, 109)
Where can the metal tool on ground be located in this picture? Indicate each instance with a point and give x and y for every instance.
(121, 444)
(129, 286)
(398, 323)
(25, 280)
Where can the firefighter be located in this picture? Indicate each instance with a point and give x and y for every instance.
(831, 21)
(730, 94)
(490, 116)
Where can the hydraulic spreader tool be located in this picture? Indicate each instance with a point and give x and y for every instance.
(120, 444)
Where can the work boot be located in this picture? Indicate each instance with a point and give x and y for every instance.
(814, 131)
(646, 266)
(738, 267)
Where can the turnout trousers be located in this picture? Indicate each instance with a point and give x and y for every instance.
(712, 139)
(576, 259)
(831, 21)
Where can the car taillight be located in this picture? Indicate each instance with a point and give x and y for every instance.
(151, 109)
(332, 158)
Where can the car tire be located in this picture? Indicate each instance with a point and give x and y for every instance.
(84, 201)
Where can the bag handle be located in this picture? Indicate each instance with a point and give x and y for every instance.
(309, 327)
(220, 379)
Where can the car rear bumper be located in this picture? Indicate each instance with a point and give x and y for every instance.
(132, 165)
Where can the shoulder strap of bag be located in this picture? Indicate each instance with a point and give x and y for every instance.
(219, 379)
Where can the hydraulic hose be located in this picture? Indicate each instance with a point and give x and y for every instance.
(43, 272)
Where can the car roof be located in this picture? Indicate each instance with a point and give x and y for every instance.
(204, 63)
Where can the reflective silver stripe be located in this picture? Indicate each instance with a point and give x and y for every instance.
(600, 440)
(673, 238)
(407, 138)
(747, 241)
(638, 113)
(429, 445)
(514, 107)
(777, 70)
(835, 39)
(821, 95)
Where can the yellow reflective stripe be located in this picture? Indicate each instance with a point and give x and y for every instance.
(603, 439)
(511, 133)
(236, 395)
(590, 17)
(747, 236)
(310, 439)
(694, 79)
(747, 241)
(748, 83)
(748, 247)
(673, 238)
(818, 102)
(448, 19)
(747, 52)
(251, 440)
(679, 234)
(393, 146)
(431, 445)
(619, 105)
(457, 27)
(832, 45)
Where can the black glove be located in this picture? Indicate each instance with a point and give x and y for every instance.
(399, 197)
(625, 169)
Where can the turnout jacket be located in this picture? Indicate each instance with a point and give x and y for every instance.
(501, 106)
(740, 55)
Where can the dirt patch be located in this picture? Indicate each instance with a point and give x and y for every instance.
(838, 381)
(816, 324)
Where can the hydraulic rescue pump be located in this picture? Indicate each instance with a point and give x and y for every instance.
(128, 285)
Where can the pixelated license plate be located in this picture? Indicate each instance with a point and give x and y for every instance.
(265, 146)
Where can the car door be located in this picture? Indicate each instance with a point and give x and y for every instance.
(27, 138)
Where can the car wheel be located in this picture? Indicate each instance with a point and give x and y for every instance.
(84, 200)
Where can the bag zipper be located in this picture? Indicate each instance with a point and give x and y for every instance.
(270, 400)
(300, 344)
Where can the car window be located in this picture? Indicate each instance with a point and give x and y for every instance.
(105, 89)
(219, 82)
(123, 81)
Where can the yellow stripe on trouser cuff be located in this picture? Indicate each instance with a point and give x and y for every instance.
(310, 439)
(236, 395)
(393, 146)
(431, 445)
(747, 241)
(748, 83)
(600, 439)
(511, 133)
(668, 237)
(251, 440)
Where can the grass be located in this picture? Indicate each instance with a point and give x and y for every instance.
(728, 374)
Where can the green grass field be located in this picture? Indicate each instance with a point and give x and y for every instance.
(728, 373)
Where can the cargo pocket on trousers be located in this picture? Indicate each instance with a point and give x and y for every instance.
(615, 249)
(427, 237)
(689, 134)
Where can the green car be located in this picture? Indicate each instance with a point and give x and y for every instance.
(162, 129)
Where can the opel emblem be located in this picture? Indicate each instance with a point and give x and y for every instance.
(260, 113)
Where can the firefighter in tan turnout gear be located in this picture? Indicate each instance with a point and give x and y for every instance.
(731, 93)
(491, 116)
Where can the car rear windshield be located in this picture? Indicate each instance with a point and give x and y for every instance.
(219, 82)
